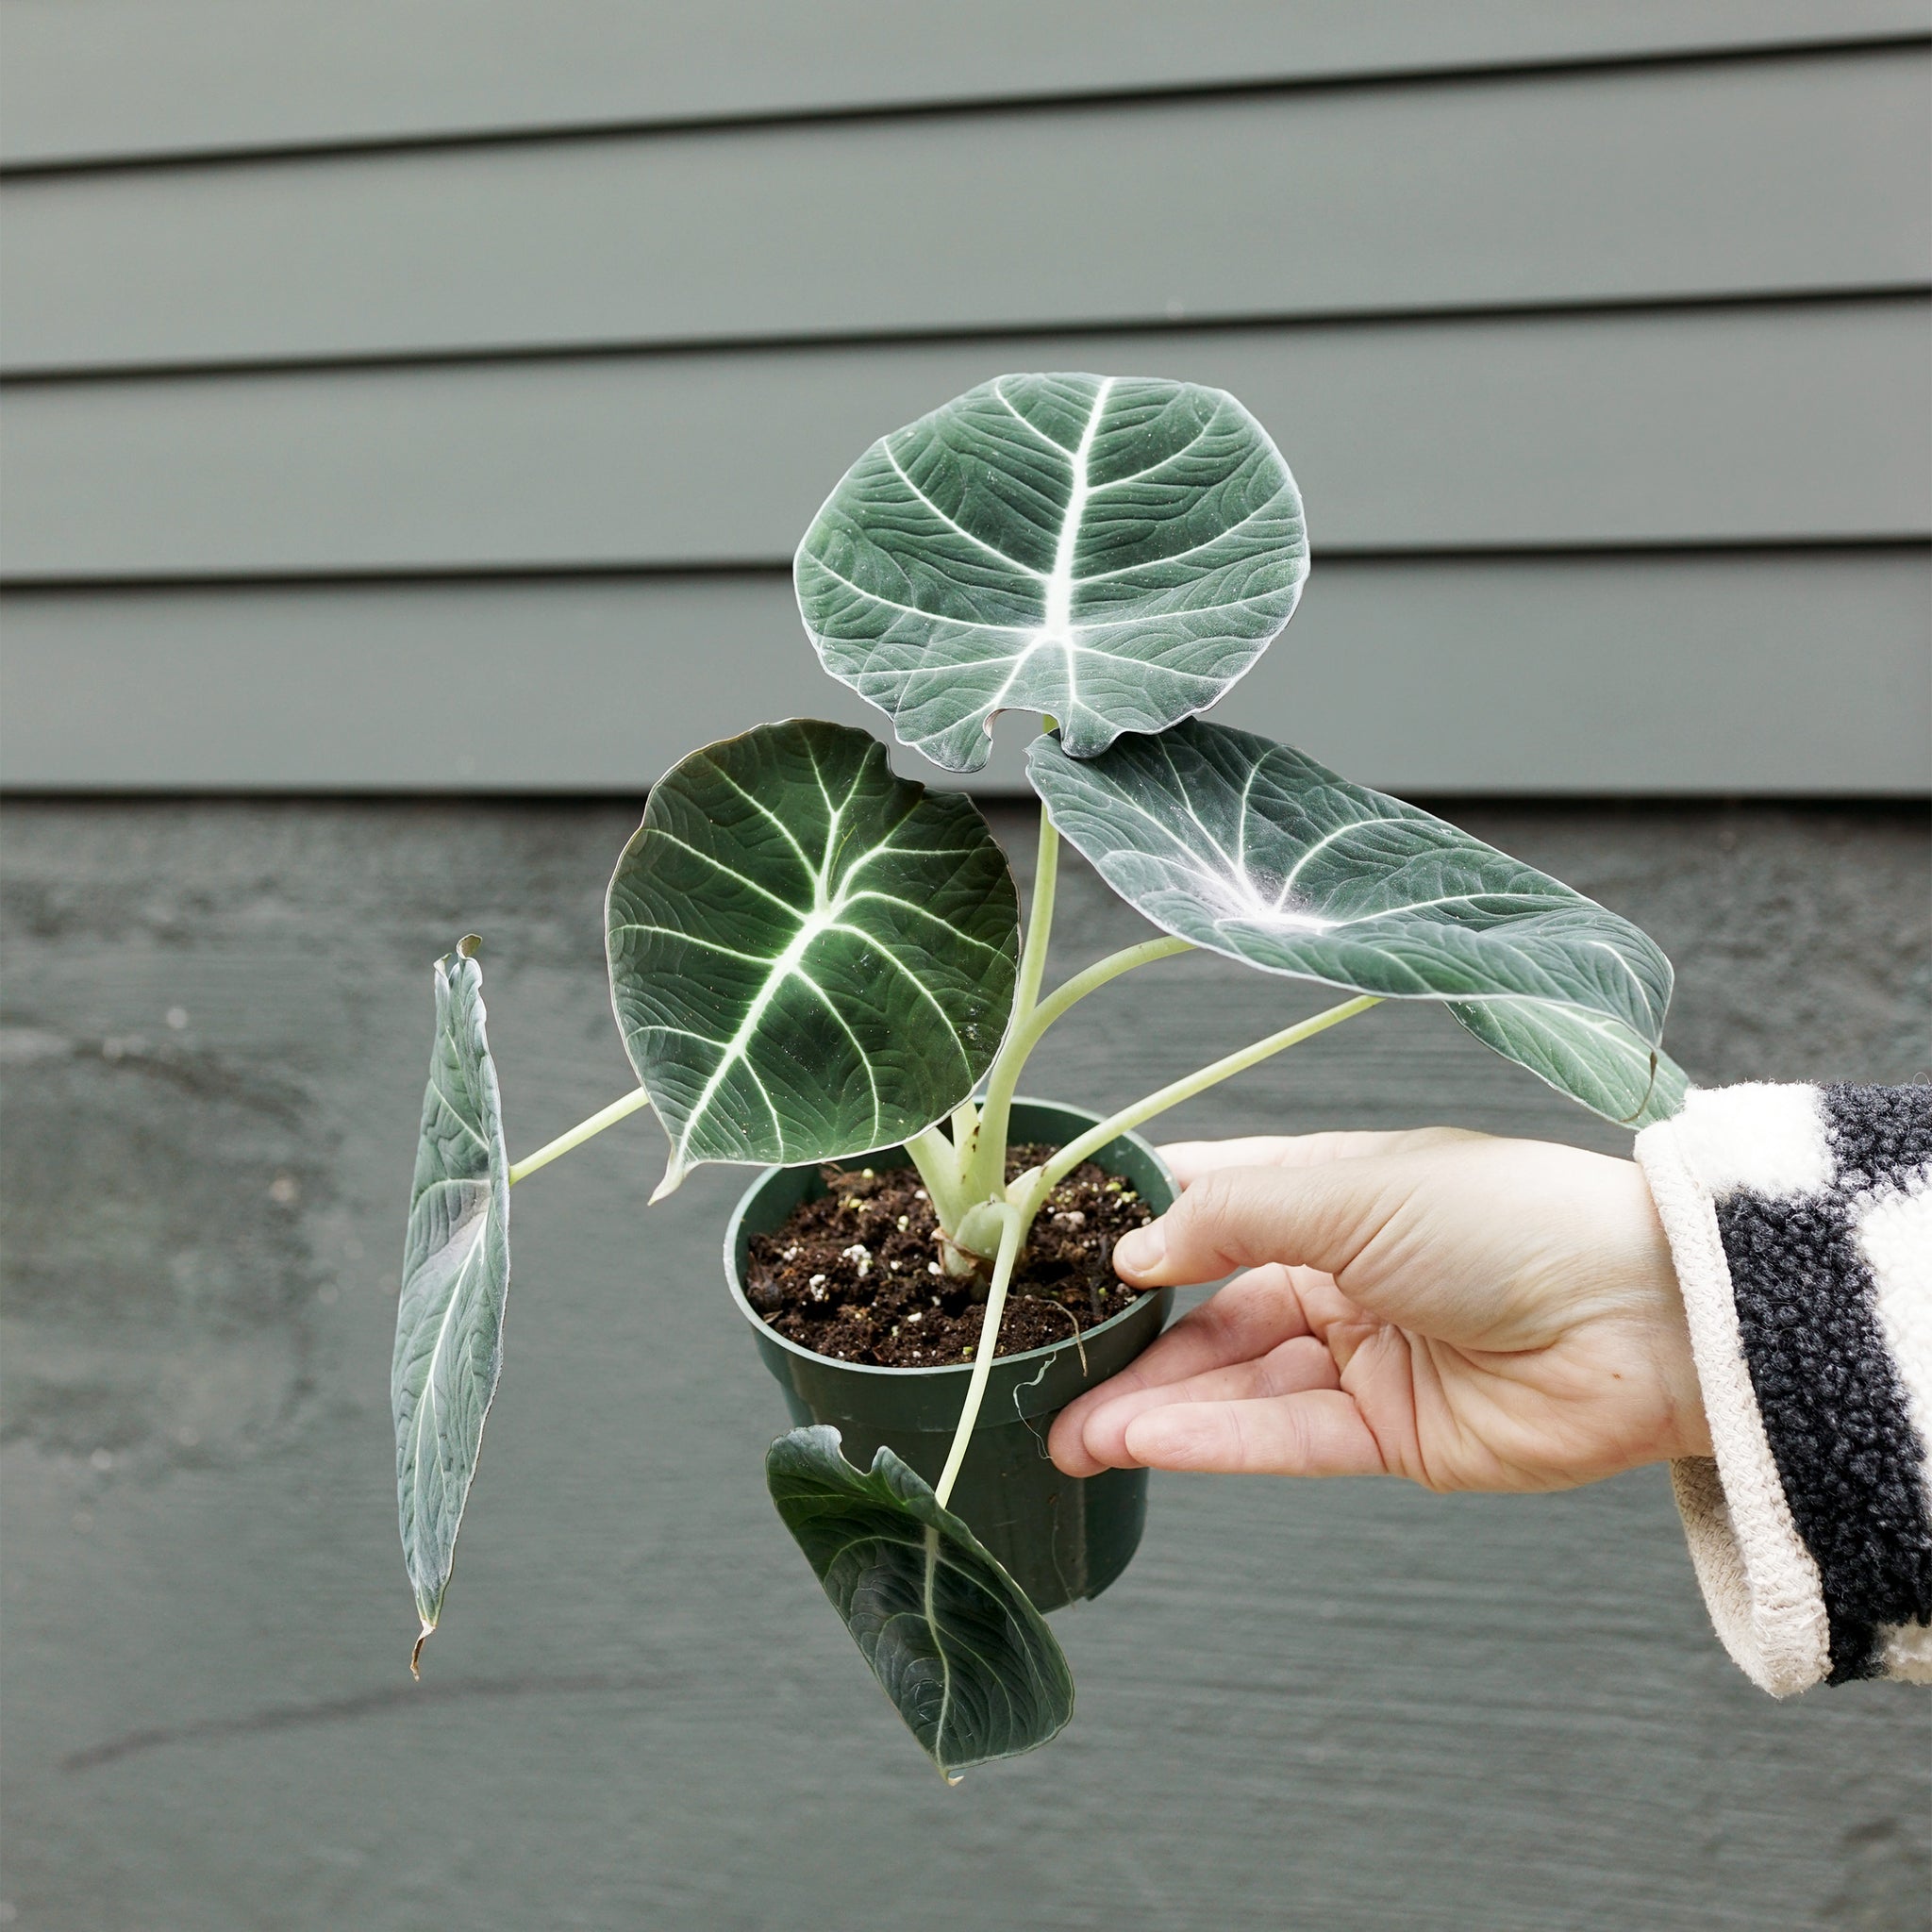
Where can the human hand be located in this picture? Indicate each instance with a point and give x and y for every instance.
(1472, 1313)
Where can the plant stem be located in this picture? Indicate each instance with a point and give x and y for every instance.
(1013, 1056)
(986, 1167)
(938, 1162)
(584, 1130)
(1003, 1080)
(1011, 1233)
(1047, 872)
(1037, 1186)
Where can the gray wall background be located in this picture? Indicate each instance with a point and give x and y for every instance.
(414, 395)
(424, 396)
(1348, 1706)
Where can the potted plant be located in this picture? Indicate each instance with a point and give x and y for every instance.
(817, 966)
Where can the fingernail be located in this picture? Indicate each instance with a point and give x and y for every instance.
(1143, 1249)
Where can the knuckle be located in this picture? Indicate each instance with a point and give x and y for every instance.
(1207, 1214)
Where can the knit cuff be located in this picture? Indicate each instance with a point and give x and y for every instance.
(1799, 1220)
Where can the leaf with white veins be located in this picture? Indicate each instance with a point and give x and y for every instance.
(1587, 1056)
(1113, 551)
(954, 1641)
(1254, 850)
(456, 1276)
(809, 956)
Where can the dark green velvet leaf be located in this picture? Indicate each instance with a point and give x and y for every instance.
(965, 1659)
(1254, 850)
(1115, 551)
(809, 956)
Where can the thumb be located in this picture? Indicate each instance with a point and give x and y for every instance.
(1245, 1217)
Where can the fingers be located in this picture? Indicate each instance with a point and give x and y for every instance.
(1315, 1216)
(1190, 1160)
(1247, 1319)
(1317, 1433)
(1294, 1367)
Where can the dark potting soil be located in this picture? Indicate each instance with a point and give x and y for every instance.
(856, 1274)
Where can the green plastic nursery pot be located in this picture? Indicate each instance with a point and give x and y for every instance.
(1061, 1538)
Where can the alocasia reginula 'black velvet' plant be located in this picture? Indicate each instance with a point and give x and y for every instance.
(812, 957)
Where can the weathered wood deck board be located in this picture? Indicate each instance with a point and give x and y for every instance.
(1348, 1704)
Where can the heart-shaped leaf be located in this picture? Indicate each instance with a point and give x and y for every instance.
(966, 1659)
(1254, 850)
(456, 1276)
(1115, 551)
(810, 956)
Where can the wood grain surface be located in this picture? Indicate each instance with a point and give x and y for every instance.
(1347, 1705)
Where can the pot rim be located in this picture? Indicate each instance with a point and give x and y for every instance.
(1047, 1352)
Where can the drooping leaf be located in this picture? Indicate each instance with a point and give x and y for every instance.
(1114, 551)
(966, 1659)
(1253, 849)
(810, 956)
(456, 1276)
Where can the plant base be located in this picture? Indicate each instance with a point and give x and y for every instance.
(1060, 1538)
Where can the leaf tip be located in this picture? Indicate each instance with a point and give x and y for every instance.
(422, 1636)
(1636, 1112)
(674, 1172)
(469, 945)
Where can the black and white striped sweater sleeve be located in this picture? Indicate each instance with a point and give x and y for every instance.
(1799, 1220)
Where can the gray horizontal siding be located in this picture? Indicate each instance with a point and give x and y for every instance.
(454, 428)
(118, 77)
(1751, 178)
(1803, 422)
(1695, 673)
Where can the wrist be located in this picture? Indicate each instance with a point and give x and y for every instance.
(1686, 1429)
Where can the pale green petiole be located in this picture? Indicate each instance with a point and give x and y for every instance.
(584, 1130)
(932, 1154)
(1012, 1232)
(1047, 872)
(1030, 1190)
(984, 1158)
(1015, 1214)
(1023, 1038)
